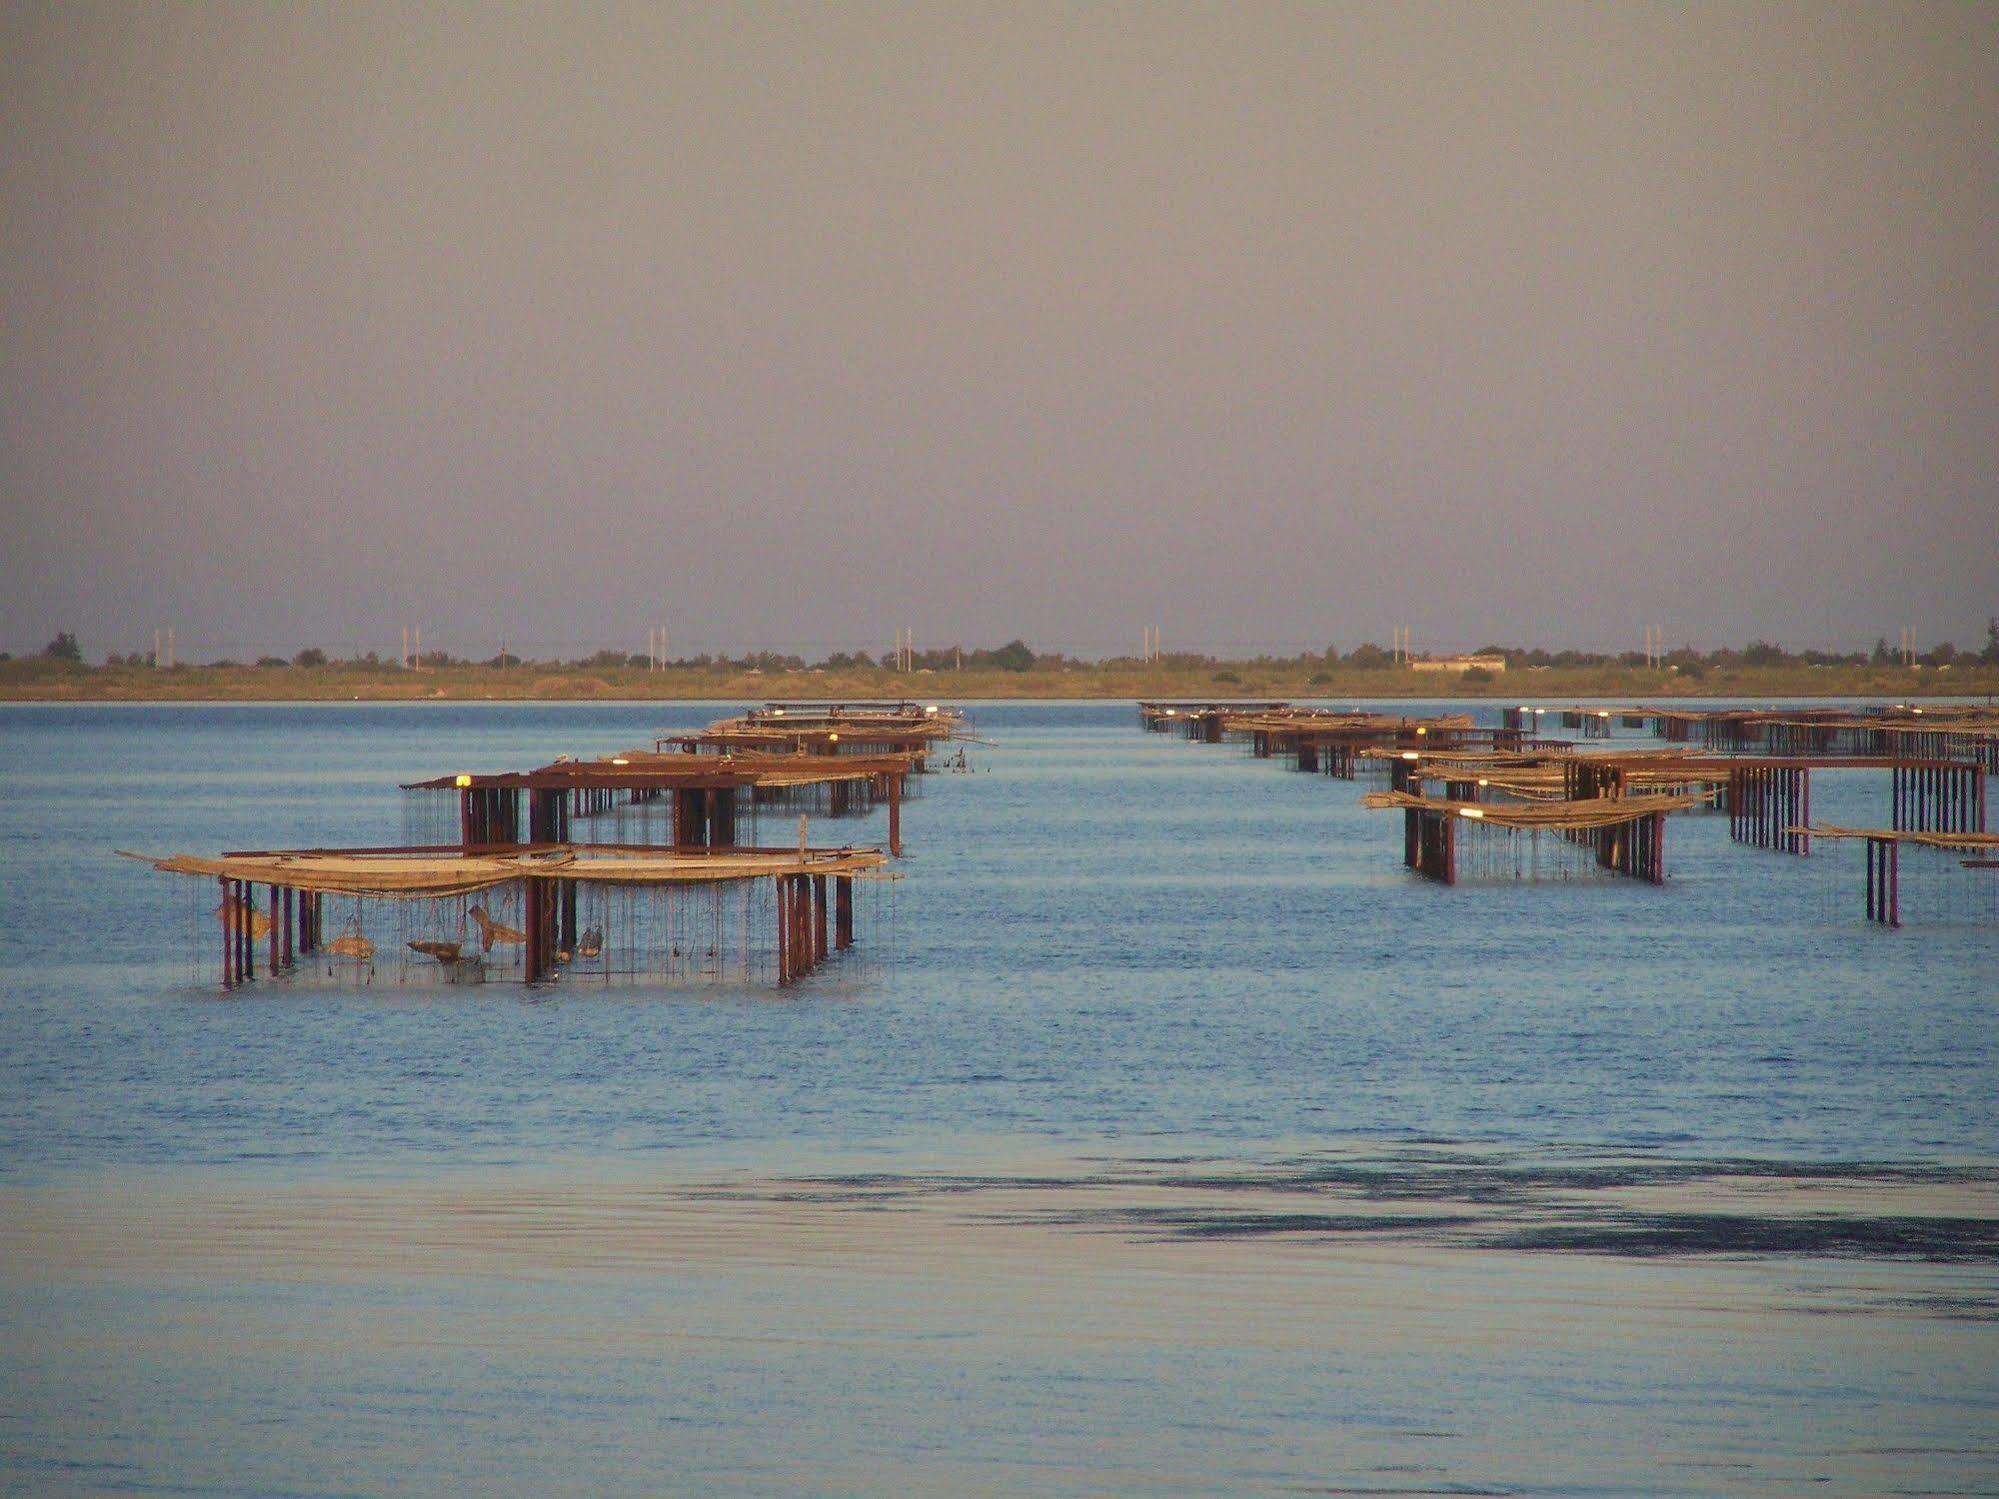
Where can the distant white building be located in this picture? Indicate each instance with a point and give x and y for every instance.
(1493, 664)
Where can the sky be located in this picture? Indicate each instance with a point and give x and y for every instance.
(787, 326)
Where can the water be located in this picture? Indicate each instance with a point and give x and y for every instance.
(1048, 1194)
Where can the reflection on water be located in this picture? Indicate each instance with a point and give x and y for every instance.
(1174, 1141)
(1359, 1322)
(1429, 1199)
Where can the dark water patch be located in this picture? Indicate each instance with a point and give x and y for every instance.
(1197, 1223)
(1650, 1235)
(1483, 1203)
(1471, 1179)
(1939, 1240)
(1942, 1307)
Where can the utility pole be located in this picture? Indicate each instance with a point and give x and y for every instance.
(404, 659)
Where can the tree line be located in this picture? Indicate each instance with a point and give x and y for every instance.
(1017, 656)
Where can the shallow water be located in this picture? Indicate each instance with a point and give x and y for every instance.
(1170, 1137)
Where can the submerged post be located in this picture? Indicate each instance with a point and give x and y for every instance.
(228, 938)
(246, 933)
(537, 907)
(783, 933)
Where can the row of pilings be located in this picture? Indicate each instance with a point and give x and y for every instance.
(1964, 733)
(803, 927)
(1770, 806)
(1768, 799)
(1884, 881)
(1635, 848)
(1939, 798)
(291, 929)
(516, 814)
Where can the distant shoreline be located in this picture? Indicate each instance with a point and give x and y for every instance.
(36, 680)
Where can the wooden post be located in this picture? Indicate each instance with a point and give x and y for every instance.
(538, 918)
(246, 937)
(895, 815)
(801, 928)
(1894, 883)
(801, 957)
(819, 918)
(843, 910)
(783, 933)
(228, 939)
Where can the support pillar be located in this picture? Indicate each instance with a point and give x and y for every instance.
(802, 922)
(843, 911)
(690, 816)
(783, 931)
(1884, 895)
(246, 934)
(228, 938)
(538, 919)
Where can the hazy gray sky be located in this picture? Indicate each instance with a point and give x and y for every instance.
(789, 325)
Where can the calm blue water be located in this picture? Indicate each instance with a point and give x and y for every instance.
(1105, 937)
(1108, 944)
